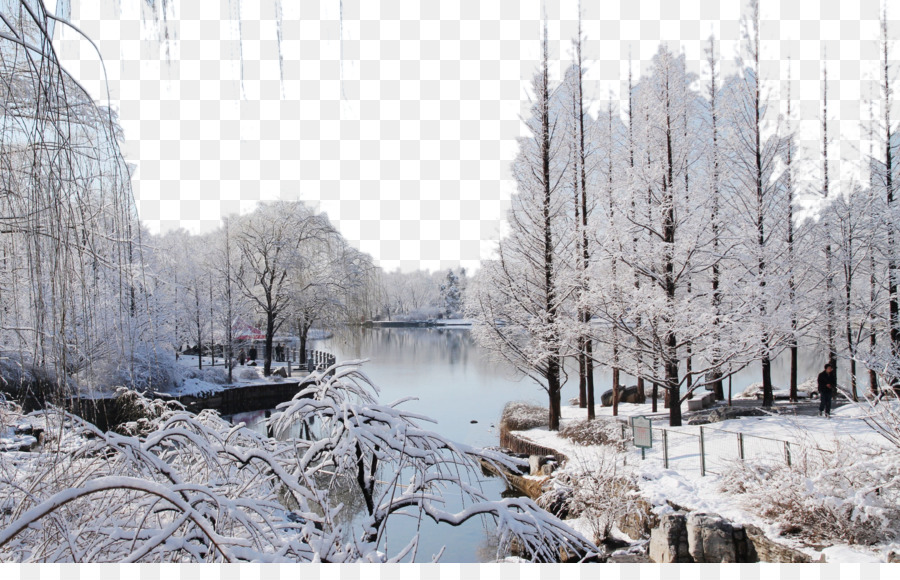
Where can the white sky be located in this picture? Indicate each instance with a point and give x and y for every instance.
(406, 144)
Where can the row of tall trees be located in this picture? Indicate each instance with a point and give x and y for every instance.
(662, 239)
(282, 267)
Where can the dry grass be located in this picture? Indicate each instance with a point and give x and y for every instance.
(522, 416)
(851, 495)
(594, 433)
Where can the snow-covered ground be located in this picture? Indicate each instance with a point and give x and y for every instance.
(453, 322)
(12, 441)
(764, 437)
(211, 379)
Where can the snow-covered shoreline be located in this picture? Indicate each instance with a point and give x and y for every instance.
(686, 488)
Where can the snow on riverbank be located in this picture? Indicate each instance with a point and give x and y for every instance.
(212, 379)
(683, 486)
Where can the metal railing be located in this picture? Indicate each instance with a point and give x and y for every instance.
(315, 359)
(714, 450)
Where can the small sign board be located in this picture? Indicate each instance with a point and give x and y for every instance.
(642, 431)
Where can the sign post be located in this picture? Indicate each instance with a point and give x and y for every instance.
(642, 432)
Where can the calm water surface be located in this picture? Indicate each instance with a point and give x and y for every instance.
(454, 383)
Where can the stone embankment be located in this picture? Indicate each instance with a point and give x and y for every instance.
(541, 460)
(104, 413)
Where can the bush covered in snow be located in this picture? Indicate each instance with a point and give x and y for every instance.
(594, 433)
(214, 375)
(522, 416)
(850, 495)
(28, 383)
(134, 414)
(246, 374)
(599, 491)
(882, 414)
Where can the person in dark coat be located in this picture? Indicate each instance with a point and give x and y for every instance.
(827, 388)
(252, 353)
(242, 357)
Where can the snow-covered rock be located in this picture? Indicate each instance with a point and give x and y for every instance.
(712, 539)
(668, 541)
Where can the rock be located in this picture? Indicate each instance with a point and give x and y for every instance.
(637, 523)
(537, 462)
(626, 395)
(280, 372)
(549, 467)
(766, 550)
(473, 421)
(893, 557)
(710, 538)
(720, 414)
(668, 541)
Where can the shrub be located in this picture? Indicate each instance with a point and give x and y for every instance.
(602, 491)
(850, 495)
(31, 385)
(246, 374)
(136, 415)
(522, 416)
(214, 375)
(594, 433)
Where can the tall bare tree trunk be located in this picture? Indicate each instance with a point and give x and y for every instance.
(792, 282)
(553, 359)
(894, 302)
(586, 255)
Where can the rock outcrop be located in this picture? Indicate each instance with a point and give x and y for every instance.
(712, 539)
(703, 537)
(626, 395)
(770, 551)
(669, 541)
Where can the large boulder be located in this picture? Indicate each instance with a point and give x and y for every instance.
(669, 541)
(626, 395)
(711, 538)
(704, 537)
(638, 522)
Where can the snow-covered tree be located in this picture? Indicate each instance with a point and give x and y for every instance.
(71, 291)
(271, 243)
(452, 298)
(659, 237)
(516, 299)
(757, 205)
